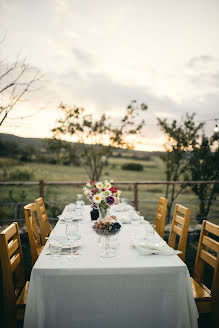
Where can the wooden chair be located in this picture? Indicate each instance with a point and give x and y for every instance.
(180, 226)
(15, 287)
(45, 228)
(208, 252)
(33, 233)
(161, 216)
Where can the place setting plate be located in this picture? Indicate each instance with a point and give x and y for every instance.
(65, 241)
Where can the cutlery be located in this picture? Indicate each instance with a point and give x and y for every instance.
(67, 253)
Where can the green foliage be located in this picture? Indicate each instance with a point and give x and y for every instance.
(204, 165)
(182, 138)
(9, 148)
(61, 152)
(20, 175)
(98, 132)
(132, 167)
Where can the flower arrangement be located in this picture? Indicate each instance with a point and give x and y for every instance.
(102, 195)
(108, 226)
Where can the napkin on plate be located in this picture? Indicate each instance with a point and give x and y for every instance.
(160, 248)
(124, 220)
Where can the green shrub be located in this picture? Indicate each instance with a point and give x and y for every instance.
(21, 175)
(132, 167)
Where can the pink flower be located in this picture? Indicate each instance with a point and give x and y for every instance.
(94, 191)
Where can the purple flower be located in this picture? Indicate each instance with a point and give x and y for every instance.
(110, 200)
(94, 205)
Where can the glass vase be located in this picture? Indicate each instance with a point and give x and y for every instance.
(103, 212)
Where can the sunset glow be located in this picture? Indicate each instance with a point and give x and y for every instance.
(101, 55)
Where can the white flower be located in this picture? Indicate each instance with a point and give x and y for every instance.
(99, 185)
(107, 184)
(97, 198)
(86, 191)
(88, 184)
(118, 192)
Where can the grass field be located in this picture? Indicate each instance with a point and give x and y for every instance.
(57, 196)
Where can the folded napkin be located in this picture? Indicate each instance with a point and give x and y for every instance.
(62, 216)
(121, 208)
(124, 220)
(160, 248)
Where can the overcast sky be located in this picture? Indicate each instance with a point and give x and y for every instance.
(102, 54)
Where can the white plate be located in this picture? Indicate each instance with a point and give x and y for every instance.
(150, 241)
(65, 242)
(62, 218)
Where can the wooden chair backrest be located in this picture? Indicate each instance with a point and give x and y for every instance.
(208, 252)
(161, 216)
(33, 233)
(180, 226)
(45, 228)
(12, 266)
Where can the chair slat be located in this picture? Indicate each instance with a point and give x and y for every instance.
(12, 274)
(13, 246)
(212, 228)
(10, 231)
(211, 243)
(205, 305)
(33, 234)
(177, 230)
(207, 257)
(179, 219)
(181, 209)
(181, 216)
(43, 220)
(161, 216)
(15, 260)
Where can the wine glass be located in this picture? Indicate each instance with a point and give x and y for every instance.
(68, 212)
(78, 211)
(71, 232)
(79, 200)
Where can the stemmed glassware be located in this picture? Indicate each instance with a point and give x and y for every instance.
(69, 212)
(71, 232)
(79, 200)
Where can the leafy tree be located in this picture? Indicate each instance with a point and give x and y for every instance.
(98, 136)
(204, 165)
(9, 149)
(61, 151)
(182, 138)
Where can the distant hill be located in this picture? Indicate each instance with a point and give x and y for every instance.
(38, 143)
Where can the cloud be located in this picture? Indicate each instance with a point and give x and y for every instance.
(203, 73)
(83, 57)
(61, 6)
(200, 60)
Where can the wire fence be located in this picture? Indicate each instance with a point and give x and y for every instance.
(56, 196)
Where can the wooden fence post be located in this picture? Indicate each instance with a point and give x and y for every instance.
(136, 196)
(41, 184)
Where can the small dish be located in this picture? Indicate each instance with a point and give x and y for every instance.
(65, 241)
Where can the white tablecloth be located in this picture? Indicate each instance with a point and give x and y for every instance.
(128, 290)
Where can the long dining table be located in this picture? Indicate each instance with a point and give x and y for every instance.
(128, 290)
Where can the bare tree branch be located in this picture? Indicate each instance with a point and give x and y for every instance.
(17, 86)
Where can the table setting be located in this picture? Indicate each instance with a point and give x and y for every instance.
(115, 271)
